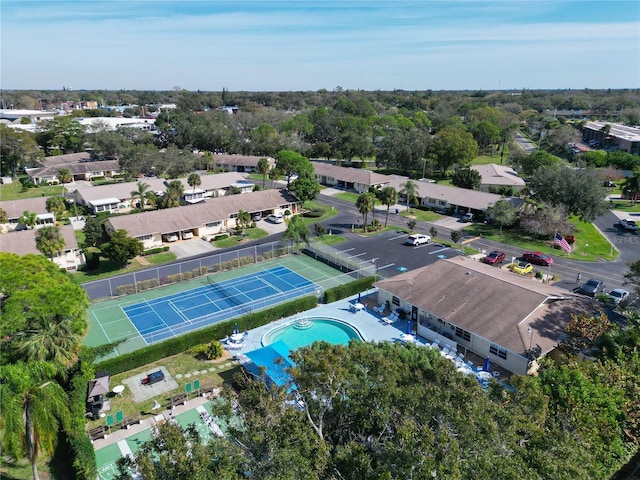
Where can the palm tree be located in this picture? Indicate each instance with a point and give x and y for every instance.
(388, 197)
(631, 186)
(56, 205)
(64, 175)
(54, 340)
(194, 181)
(32, 409)
(263, 168)
(244, 219)
(50, 241)
(274, 174)
(28, 218)
(173, 194)
(296, 231)
(365, 203)
(141, 193)
(410, 192)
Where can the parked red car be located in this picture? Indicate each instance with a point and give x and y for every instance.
(538, 258)
(494, 258)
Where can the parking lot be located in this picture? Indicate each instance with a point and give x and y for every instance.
(390, 254)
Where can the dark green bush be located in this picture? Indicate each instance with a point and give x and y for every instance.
(93, 260)
(315, 213)
(183, 343)
(153, 251)
(343, 291)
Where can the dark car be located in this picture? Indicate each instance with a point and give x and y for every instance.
(537, 258)
(494, 258)
(592, 287)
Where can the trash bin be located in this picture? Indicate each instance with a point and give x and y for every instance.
(397, 211)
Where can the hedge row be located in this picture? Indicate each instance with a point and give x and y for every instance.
(348, 289)
(79, 447)
(153, 251)
(180, 344)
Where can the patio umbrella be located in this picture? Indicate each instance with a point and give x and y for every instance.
(487, 364)
(235, 329)
(98, 386)
(359, 298)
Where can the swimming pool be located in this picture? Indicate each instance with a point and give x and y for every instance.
(305, 331)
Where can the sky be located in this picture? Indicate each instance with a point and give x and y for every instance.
(264, 45)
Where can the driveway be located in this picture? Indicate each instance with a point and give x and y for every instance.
(189, 248)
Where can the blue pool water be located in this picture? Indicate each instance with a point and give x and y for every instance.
(306, 331)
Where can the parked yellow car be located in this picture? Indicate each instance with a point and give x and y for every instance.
(522, 268)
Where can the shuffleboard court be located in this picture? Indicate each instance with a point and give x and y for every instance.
(175, 314)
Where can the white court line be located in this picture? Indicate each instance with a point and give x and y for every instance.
(124, 449)
(438, 251)
(179, 312)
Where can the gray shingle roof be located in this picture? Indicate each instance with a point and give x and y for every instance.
(15, 208)
(24, 241)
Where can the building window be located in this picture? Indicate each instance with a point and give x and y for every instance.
(233, 215)
(395, 301)
(498, 351)
(442, 203)
(144, 238)
(463, 334)
(212, 224)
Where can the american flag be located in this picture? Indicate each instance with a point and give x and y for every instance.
(559, 240)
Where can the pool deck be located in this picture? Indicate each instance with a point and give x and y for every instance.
(366, 322)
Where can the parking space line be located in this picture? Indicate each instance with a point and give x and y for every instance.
(386, 266)
(396, 237)
(358, 255)
(441, 250)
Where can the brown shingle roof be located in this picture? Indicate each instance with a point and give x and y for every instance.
(243, 160)
(493, 303)
(212, 210)
(350, 175)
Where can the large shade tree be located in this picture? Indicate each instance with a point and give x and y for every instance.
(452, 146)
(17, 148)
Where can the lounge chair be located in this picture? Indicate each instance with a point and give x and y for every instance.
(380, 308)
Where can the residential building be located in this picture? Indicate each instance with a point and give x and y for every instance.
(116, 197)
(486, 310)
(494, 176)
(348, 178)
(205, 219)
(23, 242)
(83, 170)
(620, 137)
(239, 163)
(451, 199)
(15, 208)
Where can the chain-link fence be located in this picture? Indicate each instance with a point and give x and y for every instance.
(340, 260)
(177, 272)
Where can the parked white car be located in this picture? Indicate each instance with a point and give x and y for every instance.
(275, 218)
(617, 296)
(418, 239)
(172, 238)
(629, 224)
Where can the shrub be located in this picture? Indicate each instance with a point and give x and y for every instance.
(214, 350)
(220, 237)
(153, 251)
(539, 275)
(346, 290)
(125, 289)
(315, 213)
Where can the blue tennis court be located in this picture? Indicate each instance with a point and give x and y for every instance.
(182, 312)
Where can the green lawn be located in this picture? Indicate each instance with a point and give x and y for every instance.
(160, 258)
(421, 215)
(233, 240)
(13, 191)
(348, 196)
(111, 269)
(330, 239)
(590, 245)
(624, 206)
